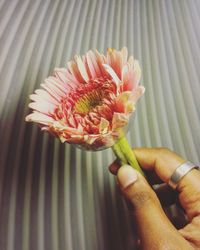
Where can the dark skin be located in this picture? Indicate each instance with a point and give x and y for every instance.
(155, 230)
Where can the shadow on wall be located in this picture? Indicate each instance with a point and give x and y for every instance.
(35, 202)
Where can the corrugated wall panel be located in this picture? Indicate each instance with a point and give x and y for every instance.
(54, 196)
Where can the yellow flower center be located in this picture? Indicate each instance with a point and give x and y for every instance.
(88, 101)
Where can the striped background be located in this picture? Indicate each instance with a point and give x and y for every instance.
(53, 196)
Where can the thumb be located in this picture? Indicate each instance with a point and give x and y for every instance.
(136, 189)
(152, 224)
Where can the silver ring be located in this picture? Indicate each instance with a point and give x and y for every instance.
(180, 172)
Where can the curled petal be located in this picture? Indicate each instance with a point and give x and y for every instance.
(92, 138)
(137, 93)
(124, 103)
(75, 139)
(104, 126)
(119, 120)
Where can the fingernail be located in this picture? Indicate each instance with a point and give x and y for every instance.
(127, 176)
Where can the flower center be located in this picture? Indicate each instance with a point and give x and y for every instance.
(88, 101)
(87, 104)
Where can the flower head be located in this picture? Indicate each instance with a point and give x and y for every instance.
(90, 102)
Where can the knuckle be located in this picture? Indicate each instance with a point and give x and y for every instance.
(195, 198)
(194, 204)
(191, 232)
(140, 198)
(192, 199)
(163, 150)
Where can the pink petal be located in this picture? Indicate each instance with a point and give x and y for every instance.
(131, 77)
(119, 120)
(71, 135)
(124, 53)
(92, 65)
(82, 68)
(123, 103)
(59, 126)
(112, 74)
(73, 67)
(137, 70)
(80, 128)
(61, 74)
(108, 140)
(62, 138)
(42, 106)
(71, 78)
(91, 139)
(87, 67)
(131, 62)
(63, 83)
(39, 118)
(137, 93)
(52, 89)
(71, 121)
(58, 85)
(100, 61)
(74, 139)
(104, 126)
(114, 59)
(43, 95)
(95, 64)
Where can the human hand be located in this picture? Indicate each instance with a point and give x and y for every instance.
(154, 228)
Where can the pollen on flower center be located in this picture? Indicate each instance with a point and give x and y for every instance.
(88, 101)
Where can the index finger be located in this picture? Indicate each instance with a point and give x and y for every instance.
(164, 162)
(161, 160)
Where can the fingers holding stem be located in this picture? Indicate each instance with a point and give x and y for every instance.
(147, 212)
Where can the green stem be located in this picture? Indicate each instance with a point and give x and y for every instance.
(125, 154)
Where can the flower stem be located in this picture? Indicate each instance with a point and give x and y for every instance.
(125, 154)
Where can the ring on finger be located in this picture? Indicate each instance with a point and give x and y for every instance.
(180, 172)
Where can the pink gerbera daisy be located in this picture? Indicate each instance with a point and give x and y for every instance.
(90, 102)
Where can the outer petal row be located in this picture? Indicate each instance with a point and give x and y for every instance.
(131, 76)
(88, 67)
